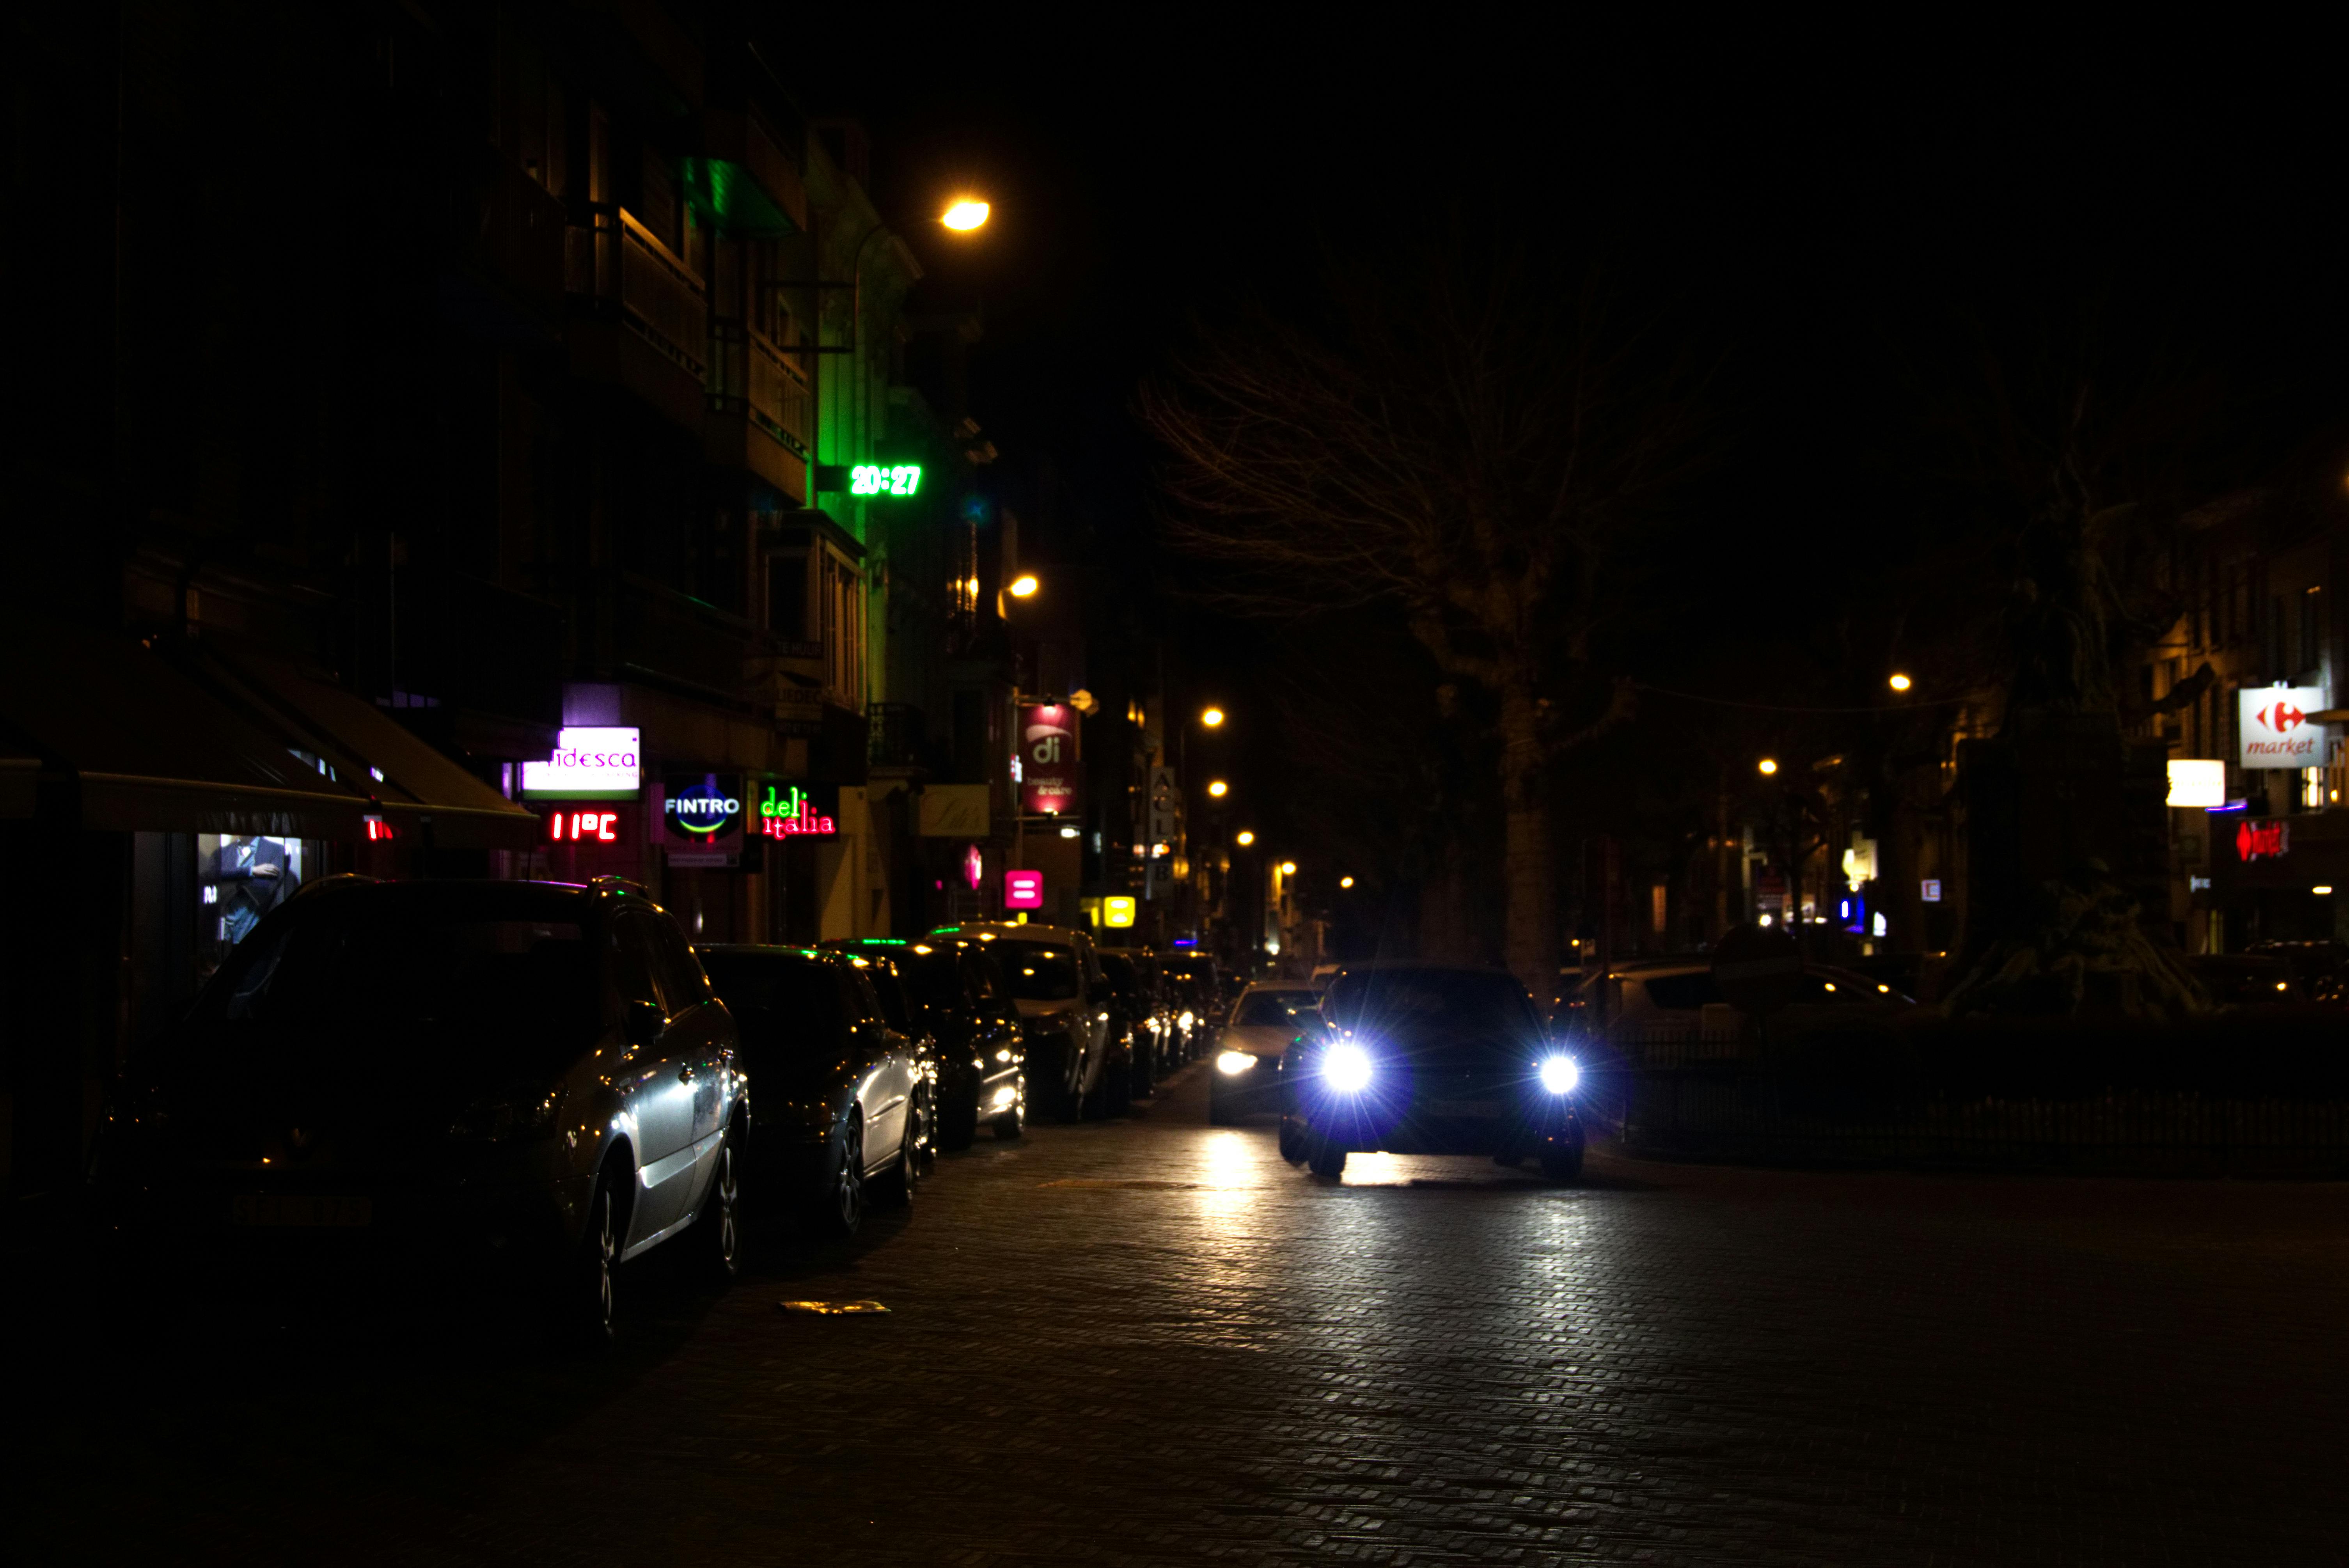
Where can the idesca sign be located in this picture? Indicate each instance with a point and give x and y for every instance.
(2274, 729)
(702, 808)
(588, 764)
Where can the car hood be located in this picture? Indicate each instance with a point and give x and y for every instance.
(1257, 1039)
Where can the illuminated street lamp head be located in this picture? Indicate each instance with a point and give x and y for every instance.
(1768, 765)
(1218, 788)
(1345, 881)
(1244, 838)
(1288, 868)
(966, 215)
(1212, 718)
(1023, 585)
(1901, 683)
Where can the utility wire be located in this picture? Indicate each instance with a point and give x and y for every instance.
(1782, 708)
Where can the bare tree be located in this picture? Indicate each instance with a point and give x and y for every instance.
(1482, 448)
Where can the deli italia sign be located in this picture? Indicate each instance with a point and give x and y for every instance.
(2274, 729)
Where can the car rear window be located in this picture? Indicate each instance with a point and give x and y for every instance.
(780, 996)
(1039, 971)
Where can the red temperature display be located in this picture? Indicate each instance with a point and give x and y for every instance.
(592, 827)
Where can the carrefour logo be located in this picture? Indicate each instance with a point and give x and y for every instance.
(702, 807)
(2275, 727)
(2281, 716)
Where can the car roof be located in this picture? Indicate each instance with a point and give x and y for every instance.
(1276, 985)
(1006, 930)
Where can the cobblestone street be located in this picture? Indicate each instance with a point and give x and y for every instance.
(1154, 1342)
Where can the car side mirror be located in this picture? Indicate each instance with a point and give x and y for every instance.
(642, 1022)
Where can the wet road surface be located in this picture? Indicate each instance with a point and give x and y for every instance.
(1152, 1342)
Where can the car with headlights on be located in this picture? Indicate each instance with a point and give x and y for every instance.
(527, 1072)
(1415, 1058)
(1264, 1022)
(1074, 1064)
(955, 992)
(1134, 1018)
(845, 1100)
(1159, 1030)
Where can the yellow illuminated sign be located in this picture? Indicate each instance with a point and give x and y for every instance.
(1117, 910)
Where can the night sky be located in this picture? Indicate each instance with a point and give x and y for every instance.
(1829, 221)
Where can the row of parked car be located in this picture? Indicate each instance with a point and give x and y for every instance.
(553, 1076)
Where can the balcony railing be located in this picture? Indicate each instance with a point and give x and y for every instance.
(748, 374)
(618, 263)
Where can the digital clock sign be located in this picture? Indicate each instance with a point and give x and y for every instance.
(872, 478)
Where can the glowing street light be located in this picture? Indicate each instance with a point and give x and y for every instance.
(1901, 683)
(1024, 585)
(1212, 716)
(1218, 788)
(1768, 766)
(966, 215)
(1288, 868)
(1345, 881)
(1244, 838)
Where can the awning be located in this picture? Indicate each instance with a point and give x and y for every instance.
(125, 742)
(413, 784)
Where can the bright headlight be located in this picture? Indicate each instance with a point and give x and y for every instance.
(1235, 1062)
(1347, 1069)
(1559, 1074)
(1186, 1020)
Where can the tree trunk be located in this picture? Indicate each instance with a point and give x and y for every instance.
(1530, 869)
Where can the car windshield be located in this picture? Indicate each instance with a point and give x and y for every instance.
(520, 979)
(1432, 1001)
(930, 975)
(882, 972)
(778, 996)
(1272, 1009)
(1039, 972)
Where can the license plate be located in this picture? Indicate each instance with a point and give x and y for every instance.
(1466, 1107)
(308, 1213)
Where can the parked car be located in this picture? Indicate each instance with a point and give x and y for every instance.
(1075, 1066)
(845, 1100)
(1193, 979)
(958, 996)
(1255, 1037)
(1159, 1028)
(521, 1069)
(1134, 1013)
(2247, 979)
(1425, 1060)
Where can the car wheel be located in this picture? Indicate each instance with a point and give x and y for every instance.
(1563, 1164)
(588, 1303)
(1093, 1103)
(839, 1207)
(1327, 1159)
(1292, 1140)
(718, 1231)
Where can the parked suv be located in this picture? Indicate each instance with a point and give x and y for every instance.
(1075, 1064)
(525, 1069)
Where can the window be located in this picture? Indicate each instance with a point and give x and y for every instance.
(982, 978)
(635, 963)
(1041, 973)
(787, 597)
(682, 983)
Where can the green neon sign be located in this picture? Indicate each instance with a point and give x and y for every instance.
(872, 478)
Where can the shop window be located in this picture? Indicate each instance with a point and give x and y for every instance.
(240, 878)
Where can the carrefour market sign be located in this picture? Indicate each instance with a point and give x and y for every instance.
(2274, 729)
(588, 764)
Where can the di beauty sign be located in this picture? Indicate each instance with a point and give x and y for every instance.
(2274, 729)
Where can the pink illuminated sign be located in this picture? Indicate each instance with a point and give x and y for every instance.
(1023, 890)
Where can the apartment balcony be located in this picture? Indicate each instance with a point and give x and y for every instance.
(761, 412)
(640, 315)
(501, 262)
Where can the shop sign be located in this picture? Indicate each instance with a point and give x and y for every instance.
(1932, 890)
(1047, 759)
(1117, 910)
(588, 764)
(583, 827)
(1023, 890)
(974, 867)
(2274, 729)
(800, 811)
(703, 808)
(2197, 781)
(2258, 840)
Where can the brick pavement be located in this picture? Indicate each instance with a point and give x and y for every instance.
(1154, 1342)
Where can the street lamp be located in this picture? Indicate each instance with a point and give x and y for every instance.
(965, 215)
(1288, 868)
(1768, 766)
(1244, 838)
(1212, 716)
(1345, 881)
(1218, 788)
(1901, 683)
(1024, 585)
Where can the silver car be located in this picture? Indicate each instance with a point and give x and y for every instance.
(467, 1071)
(1264, 1022)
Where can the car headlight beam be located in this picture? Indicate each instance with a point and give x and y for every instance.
(1347, 1069)
(1560, 1074)
(1235, 1062)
